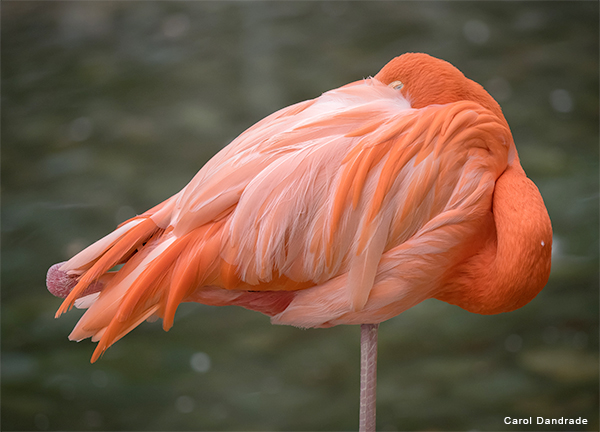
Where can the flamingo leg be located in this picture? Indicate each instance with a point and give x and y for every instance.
(368, 376)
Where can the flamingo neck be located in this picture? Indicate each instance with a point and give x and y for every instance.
(513, 265)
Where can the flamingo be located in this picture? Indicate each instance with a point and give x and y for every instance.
(345, 209)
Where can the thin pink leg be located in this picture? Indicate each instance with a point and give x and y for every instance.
(60, 284)
(368, 376)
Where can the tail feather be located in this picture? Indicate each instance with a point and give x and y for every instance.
(102, 320)
(104, 309)
(198, 258)
(87, 257)
(155, 275)
(160, 272)
(116, 330)
(154, 281)
(113, 255)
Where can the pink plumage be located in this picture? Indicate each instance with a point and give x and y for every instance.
(346, 209)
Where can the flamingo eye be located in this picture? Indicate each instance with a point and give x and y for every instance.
(397, 85)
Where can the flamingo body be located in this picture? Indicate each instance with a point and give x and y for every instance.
(346, 209)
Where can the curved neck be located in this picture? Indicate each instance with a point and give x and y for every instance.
(513, 265)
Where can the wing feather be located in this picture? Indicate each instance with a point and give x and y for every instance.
(311, 201)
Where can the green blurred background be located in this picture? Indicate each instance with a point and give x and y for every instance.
(110, 107)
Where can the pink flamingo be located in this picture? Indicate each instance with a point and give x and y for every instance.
(345, 209)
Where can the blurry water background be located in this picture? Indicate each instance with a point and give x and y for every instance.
(110, 107)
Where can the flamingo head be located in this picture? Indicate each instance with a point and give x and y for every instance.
(426, 80)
